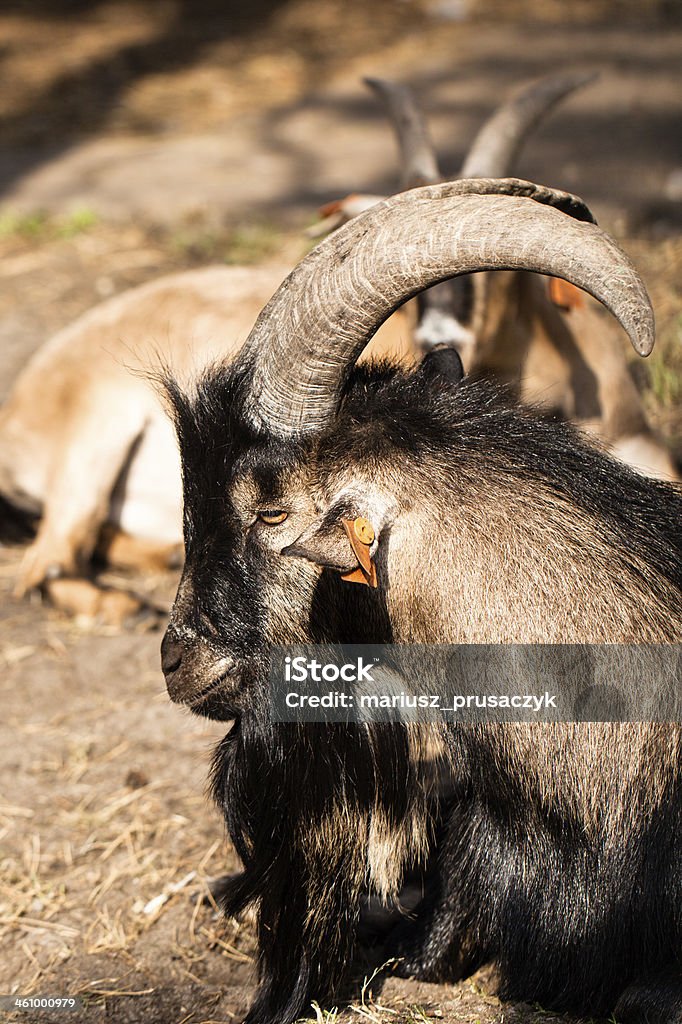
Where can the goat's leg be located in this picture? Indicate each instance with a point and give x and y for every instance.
(435, 943)
(433, 947)
(623, 422)
(108, 605)
(76, 505)
(656, 999)
(121, 550)
(76, 502)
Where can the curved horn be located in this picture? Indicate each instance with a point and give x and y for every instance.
(310, 334)
(417, 154)
(497, 144)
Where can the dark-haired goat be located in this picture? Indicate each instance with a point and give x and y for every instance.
(561, 856)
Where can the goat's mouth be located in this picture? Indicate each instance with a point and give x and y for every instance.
(215, 700)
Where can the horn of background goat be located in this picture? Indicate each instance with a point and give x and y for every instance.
(312, 331)
(445, 307)
(495, 148)
(438, 306)
(418, 162)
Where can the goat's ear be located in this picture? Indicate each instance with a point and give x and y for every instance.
(346, 545)
(442, 362)
(324, 543)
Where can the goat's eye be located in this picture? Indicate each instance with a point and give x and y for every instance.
(272, 516)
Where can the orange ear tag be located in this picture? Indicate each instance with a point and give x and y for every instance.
(564, 295)
(360, 533)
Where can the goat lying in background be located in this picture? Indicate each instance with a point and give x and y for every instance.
(551, 345)
(86, 443)
(486, 525)
(84, 440)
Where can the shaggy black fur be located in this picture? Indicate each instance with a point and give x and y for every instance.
(271, 783)
(569, 919)
(587, 917)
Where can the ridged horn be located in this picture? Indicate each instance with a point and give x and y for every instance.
(312, 331)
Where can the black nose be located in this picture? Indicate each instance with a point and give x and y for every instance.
(171, 654)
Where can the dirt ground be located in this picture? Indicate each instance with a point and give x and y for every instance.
(141, 138)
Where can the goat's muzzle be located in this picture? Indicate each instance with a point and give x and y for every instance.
(196, 675)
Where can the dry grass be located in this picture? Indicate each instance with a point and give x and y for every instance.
(104, 845)
(107, 841)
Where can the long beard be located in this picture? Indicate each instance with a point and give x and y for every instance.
(307, 808)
